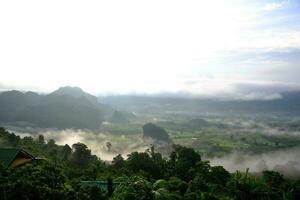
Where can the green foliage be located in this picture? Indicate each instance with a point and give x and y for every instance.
(134, 188)
(91, 193)
(219, 175)
(142, 176)
(34, 181)
(161, 183)
(184, 161)
(81, 155)
(273, 179)
(118, 162)
(177, 185)
(137, 162)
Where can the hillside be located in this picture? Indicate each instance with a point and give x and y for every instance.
(67, 107)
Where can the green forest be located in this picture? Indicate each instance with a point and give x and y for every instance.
(72, 172)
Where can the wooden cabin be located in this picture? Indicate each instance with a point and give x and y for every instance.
(13, 157)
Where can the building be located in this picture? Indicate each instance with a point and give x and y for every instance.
(13, 157)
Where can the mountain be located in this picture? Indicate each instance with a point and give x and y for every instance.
(155, 133)
(13, 102)
(288, 105)
(67, 107)
(74, 92)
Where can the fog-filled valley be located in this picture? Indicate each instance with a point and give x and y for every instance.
(150, 100)
(173, 147)
(255, 139)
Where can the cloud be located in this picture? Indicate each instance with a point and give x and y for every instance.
(275, 6)
(212, 88)
(124, 47)
(4, 87)
(266, 87)
(261, 90)
(236, 90)
(277, 160)
(258, 96)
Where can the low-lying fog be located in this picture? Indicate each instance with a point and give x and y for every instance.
(285, 161)
(95, 141)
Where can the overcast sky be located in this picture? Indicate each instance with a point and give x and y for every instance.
(248, 49)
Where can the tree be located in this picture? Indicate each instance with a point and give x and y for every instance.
(81, 155)
(273, 179)
(66, 152)
(135, 188)
(36, 181)
(142, 161)
(176, 184)
(118, 162)
(41, 140)
(185, 154)
(219, 175)
(13, 140)
(185, 162)
(108, 145)
(51, 143)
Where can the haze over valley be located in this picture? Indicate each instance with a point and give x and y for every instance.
(150, 100)
(218, 129)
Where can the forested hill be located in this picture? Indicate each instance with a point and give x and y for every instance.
(142, 176)
(287, 105)
(67, 107)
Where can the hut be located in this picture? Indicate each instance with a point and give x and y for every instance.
(13, 157)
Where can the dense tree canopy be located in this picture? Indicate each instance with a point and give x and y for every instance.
(142, 176)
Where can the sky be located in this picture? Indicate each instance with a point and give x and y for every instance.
(245, 49)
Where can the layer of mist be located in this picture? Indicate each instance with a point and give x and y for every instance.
(97, 142)
(256, 126)
(284, 161)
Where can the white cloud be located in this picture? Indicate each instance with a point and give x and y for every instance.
(127, 46)
(275, 6)
(276, 160)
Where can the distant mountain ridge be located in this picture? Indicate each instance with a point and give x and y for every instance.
(288, 105)
(71, 107)
(67, 107)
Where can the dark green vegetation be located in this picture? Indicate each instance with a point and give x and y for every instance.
(183, 175)
(156, 133)
(66, 107)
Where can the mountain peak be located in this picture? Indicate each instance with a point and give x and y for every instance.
(71, 91)
(74, 92)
